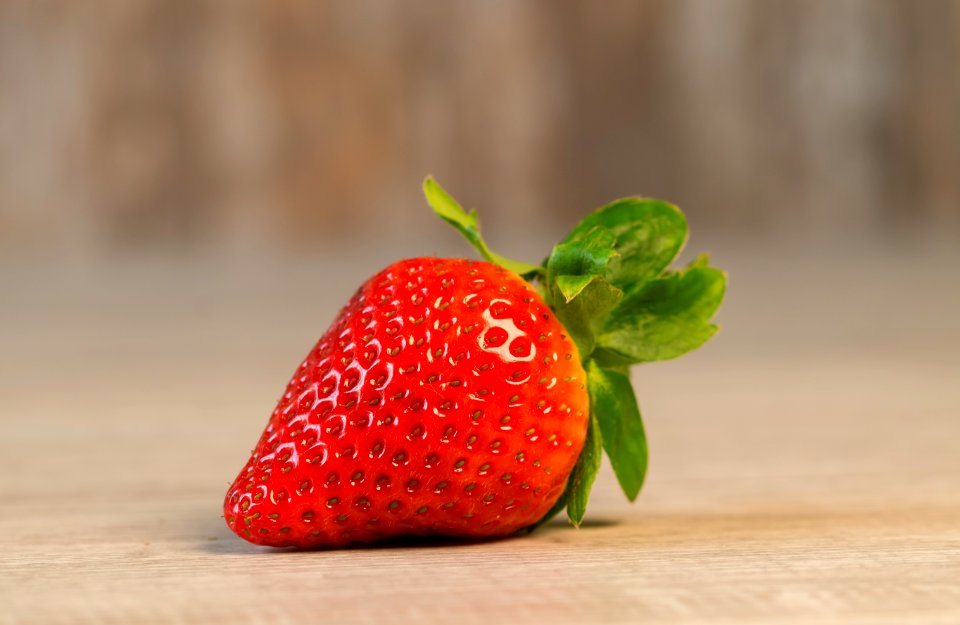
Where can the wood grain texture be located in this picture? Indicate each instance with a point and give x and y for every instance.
(805, 466)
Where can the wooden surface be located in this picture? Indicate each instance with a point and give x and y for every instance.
(805, 466)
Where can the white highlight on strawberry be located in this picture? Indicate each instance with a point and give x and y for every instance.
(513, 332)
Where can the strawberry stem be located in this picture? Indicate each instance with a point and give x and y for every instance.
(466, 224)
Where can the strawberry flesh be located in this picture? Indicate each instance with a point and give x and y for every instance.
(445, 399)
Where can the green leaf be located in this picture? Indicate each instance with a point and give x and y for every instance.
(572, 286)
(580, 296)
(583, 314)
(614, 406)
(667, 318)
(702, 260)
(466, 224)
(649, 234)
(584, 474)
(588, 255)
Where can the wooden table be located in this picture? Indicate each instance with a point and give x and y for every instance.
(805, 466)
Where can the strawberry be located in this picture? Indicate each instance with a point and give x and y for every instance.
(454, 397)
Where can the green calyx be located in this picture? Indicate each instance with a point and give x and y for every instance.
(609, 284)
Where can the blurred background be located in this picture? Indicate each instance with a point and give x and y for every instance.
(190, 190)
(218, 127)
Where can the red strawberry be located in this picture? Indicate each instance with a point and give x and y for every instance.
(448, 398)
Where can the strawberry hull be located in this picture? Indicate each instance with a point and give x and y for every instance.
(445, 399)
